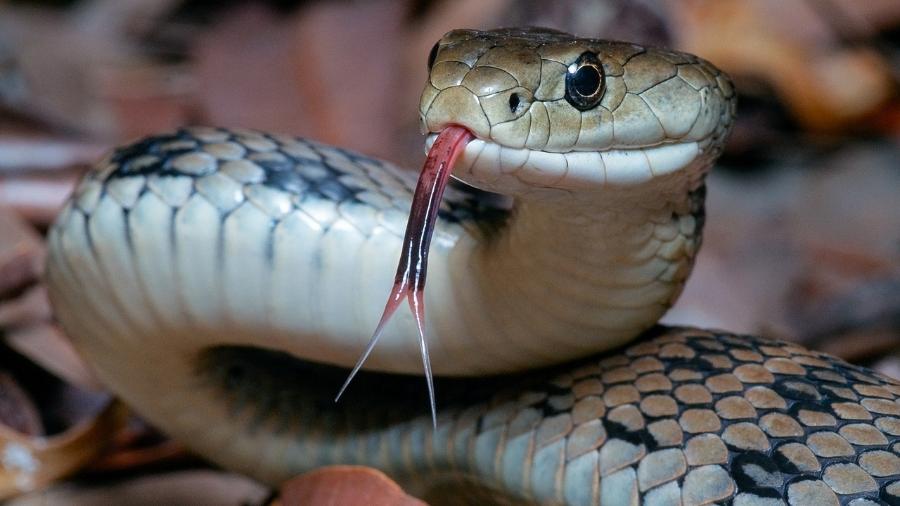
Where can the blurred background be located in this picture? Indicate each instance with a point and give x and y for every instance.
(803, 232)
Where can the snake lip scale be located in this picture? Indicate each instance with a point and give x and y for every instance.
(222, 282)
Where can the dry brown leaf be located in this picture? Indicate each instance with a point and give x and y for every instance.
(792, 48)
(17, 411)
(345, 486)
(44, 344)
(314, 72)
(66, 58)
(147, 98)
(43, 153)
(28, 460)
(141, 448)
(188, 488)
(166, 452)
(21, 254)
(25, 314)
(37, 197)
(31, 463)
(29, 307)
(38, 172)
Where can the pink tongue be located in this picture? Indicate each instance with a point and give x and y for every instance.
(409, 281)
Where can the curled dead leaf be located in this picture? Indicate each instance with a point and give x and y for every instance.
(194, 487)
(29, 463)
(17, 411)
(345, 486)
(792, 48)
(45, 344)
(21, 254)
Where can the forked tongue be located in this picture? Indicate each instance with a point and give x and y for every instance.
(409, 282)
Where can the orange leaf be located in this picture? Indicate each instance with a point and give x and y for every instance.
(345, 486)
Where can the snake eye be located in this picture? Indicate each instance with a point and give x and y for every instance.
(432, 55)
(584, 82)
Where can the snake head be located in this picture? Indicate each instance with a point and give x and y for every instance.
(553, 111)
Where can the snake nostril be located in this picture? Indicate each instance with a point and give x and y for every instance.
(514, 102)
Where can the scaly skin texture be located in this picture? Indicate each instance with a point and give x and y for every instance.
(598, 246)
(209, 274)
(704, 417)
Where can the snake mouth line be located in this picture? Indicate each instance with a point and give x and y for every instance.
(488, 162)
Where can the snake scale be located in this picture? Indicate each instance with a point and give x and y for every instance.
(222, 281)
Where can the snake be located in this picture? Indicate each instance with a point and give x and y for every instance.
(223, 281)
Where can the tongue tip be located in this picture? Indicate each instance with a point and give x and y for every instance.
(409, 280)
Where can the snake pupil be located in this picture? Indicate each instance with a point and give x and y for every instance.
(584, 82)
(234, 375)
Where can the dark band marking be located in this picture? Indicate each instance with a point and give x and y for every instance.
(302, 176)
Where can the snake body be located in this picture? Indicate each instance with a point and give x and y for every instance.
(221, 280)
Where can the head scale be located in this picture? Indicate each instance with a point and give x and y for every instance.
(537, 95)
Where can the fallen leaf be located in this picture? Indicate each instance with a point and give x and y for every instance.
(37, 197)
(17, 410)
(44, 153)
(794, 49)
(345, 486)
(138, 448)
(45, 345)
(30, 307)
(192, 487)
(21, 254)
(30, 463)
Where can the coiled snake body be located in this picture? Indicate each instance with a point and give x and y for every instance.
(221, 280)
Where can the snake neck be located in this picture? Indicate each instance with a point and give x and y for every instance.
(602, 267)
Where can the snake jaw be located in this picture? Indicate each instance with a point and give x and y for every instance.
(409, 281)
(496, 168)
